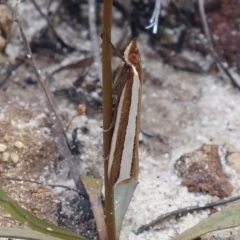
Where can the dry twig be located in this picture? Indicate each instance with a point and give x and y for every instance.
(210, 45)
(50, 25)
(204, 22)
(39, 183)
(60, 136)
(83, 63)
(183, 211)
(211, 51)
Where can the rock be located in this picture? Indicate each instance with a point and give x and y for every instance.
(5, 156)
(233, 160)
(3, 147)
(14, 157)
(201, 170)
(19, 145)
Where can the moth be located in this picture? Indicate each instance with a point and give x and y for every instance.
(123, 162)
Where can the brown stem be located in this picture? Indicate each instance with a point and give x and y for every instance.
(107, 114)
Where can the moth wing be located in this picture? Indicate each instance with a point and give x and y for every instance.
(120, 77)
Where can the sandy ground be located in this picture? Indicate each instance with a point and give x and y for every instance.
(182, 110)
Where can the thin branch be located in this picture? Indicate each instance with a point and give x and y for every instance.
(50, 25)
(61, 139)
(211, 51)
(184, 211)
(225, 70)
(83, 63)
(39, 183)
(210, 45)
(94, 37)
(53, 14)
(204, 22)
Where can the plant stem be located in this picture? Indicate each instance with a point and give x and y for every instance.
(107, 114)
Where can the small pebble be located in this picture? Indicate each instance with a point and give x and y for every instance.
(35, 176)
(14, 157)
(234, 161)
(19, 164)
(19, 145)
(9, 225)
(5, 156)
(3, 147)
(141, 138)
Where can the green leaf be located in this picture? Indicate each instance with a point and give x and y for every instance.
(30, 220)
(94, 190)
(229, 217)
(123, 193)
(24, 234)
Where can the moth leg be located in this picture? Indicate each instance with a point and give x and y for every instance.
(108, 129)
(115, 99)
(115, 50)
(106, 158)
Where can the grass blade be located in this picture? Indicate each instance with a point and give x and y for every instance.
(229, 217)
(24, 234)
(30, 220)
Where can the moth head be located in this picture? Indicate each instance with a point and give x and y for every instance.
(131, 53)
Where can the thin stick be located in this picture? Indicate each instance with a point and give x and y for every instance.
(53, 15)
(210, 44)
(94, 37)
(61, 138)
(107, 114)
(50, 25)
(183, 211)
(39, 183)
(204, 22)
(212, 52)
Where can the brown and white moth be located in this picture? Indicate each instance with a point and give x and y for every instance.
(123, 162)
